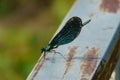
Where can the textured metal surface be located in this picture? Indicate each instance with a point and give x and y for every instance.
(94, 53)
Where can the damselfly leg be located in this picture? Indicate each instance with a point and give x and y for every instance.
(57, 53)
(44, 55)
(52, 51)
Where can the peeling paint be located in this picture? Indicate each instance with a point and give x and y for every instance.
(112, 6)
(89, 63)
(69, 63)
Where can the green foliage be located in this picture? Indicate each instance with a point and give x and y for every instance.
(60, 8)
(20, 45)
(7, 6)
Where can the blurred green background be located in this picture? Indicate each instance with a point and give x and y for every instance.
(25, 27)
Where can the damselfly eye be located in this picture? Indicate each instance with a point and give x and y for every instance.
(42, 49)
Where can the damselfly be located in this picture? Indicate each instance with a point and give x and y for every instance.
(66, 35)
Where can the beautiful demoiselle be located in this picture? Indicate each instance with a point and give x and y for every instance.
(66, 35)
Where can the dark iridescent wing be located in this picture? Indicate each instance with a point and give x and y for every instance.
(68, 33)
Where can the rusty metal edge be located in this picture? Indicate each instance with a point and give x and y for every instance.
(105, 72)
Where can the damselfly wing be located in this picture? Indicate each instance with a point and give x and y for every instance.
(67, 34)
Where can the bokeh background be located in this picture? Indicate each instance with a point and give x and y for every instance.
(25, 27)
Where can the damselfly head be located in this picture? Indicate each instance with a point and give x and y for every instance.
(47, 48)
(42, 50)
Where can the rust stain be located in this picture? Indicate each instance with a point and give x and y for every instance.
(91, 15)
(71, 53)
(112, 6)
(89, 63)
(83, 79)
(37, 68)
